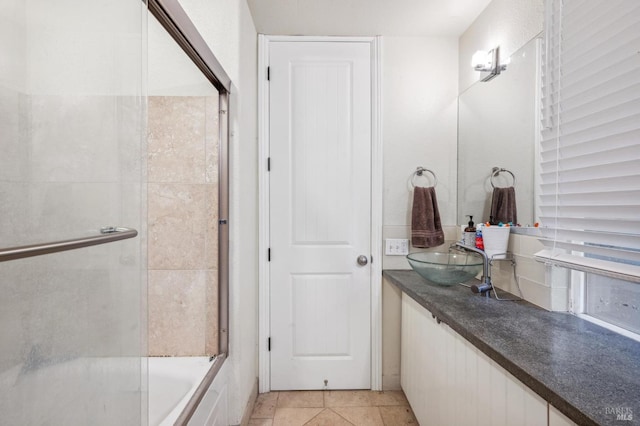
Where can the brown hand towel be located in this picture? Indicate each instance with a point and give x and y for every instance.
(426, 228)
(503, 205)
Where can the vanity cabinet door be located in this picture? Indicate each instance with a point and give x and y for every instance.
(449, 381)
(556, 418)
(422, 357)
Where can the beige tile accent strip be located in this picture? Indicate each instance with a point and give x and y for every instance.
(177, 221)
(176, 313)
(182, 174)
(176, 139)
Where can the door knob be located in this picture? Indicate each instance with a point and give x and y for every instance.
(363, 260)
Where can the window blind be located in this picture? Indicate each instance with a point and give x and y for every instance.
(590, 145)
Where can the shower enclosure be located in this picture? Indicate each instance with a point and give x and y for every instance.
(113, 214)
(72, 138)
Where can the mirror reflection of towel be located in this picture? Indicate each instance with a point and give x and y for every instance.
(426, 228)
(503, 205)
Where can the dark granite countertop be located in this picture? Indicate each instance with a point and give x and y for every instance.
(584, 370)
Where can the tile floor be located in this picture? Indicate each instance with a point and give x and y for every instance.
(332, 408)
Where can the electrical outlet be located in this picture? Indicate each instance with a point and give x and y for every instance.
(396, 247)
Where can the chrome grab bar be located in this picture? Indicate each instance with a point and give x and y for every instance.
(107, 235)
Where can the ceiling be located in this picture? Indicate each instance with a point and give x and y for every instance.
(365, 17)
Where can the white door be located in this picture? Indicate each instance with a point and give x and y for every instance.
(320, 213)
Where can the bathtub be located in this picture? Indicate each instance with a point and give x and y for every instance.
(97, 382)
(172, 382)
(97, 391)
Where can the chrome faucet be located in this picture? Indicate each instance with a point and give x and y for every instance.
(486, 286)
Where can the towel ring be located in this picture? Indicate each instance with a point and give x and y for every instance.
(419, 171)
(497, 170)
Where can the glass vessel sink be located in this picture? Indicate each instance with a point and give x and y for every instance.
(446, 268)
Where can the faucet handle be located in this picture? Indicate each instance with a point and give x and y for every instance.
(482, 288)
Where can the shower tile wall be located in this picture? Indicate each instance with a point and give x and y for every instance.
(183, 224)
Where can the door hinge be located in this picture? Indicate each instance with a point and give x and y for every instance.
(269, 344)
(269, 254)
(269, 164)
(268, 73)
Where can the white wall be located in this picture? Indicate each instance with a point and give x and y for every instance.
(171, 72)
(228, 29)
(420, 89)
(391, 329)
(505, 23)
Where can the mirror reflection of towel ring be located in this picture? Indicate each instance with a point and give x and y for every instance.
(496, 171)
(419, 171)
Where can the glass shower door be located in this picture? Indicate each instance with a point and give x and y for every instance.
(72, 127)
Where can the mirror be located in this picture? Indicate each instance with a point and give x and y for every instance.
(497, 127)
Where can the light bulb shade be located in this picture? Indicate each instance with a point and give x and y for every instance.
(487, 63)
(483, 61)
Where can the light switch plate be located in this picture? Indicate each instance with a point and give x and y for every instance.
(396, 247)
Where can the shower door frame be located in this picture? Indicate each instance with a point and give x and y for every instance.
(180, 27)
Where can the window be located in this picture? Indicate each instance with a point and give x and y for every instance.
(614, 301)
(590, 149)
(590, 154)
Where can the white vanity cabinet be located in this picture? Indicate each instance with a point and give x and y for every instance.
(448, 381)
(556, 418)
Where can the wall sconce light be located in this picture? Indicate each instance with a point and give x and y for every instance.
(488, 63)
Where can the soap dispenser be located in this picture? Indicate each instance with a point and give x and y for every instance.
(469, 235)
